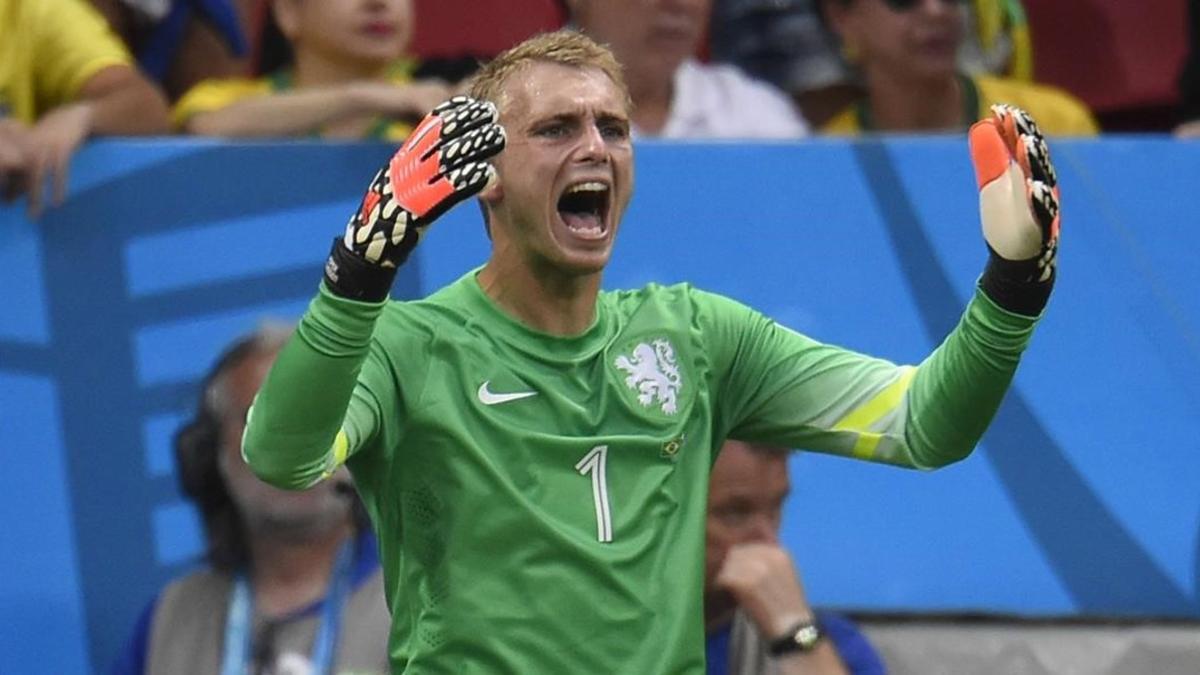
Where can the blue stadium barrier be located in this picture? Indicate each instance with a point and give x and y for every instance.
(1082, 500)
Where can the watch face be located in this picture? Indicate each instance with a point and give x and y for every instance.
(807, 637)
(803, 638)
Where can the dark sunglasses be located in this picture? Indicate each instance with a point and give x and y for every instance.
(905, 5)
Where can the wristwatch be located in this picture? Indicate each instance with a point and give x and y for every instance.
(803, 637)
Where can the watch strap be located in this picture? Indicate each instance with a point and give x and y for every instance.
(803, 637)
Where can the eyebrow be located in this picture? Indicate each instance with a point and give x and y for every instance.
(602, 117)
(560, 117)
(613, 117)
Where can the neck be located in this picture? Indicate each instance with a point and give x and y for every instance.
(899, 104)
(545, 300)
(315, 70)
(652, 95)
(290, 574)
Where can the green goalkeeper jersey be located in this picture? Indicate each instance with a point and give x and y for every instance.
(540, 500)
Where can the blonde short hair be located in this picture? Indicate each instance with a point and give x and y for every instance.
(564, 47)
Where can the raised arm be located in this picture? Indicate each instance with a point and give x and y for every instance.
(789, 390)
(321, 401)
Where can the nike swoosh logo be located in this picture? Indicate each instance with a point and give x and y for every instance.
(488, 397)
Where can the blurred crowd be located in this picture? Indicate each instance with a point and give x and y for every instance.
(734, 69)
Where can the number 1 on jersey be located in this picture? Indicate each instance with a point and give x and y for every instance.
(593, 463)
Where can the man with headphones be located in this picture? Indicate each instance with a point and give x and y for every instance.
(292, 582)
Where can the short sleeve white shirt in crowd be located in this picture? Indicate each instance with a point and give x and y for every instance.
(720, 101)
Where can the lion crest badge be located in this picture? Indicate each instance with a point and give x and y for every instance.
(652, 372)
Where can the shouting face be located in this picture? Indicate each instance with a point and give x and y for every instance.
(566, 174)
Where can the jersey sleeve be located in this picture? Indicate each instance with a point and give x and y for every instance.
(322, 402)
(783, 388)
(73, 43)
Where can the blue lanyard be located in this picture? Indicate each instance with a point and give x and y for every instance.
(241, 610)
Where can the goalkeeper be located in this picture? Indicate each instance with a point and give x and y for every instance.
(534, 453)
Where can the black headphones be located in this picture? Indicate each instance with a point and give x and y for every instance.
(197, 458)
(198, 442)
(197, 446)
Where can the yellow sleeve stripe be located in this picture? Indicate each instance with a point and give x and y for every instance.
(862, 417)
(341, 447)
(338, 452)
(864, 446)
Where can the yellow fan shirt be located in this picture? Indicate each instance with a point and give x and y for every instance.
(1057, 112)
(215, 94)
(48, 50)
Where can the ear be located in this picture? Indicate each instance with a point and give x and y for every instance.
(493, 192)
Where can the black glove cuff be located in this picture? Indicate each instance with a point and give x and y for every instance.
(349, 276)
(1013, 285)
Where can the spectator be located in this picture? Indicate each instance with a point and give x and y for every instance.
(293, 582)
(753, 596)
(64, 77)
(348, 78)
(182, 42)
(785, 43)
(675, 95)
(907, 53)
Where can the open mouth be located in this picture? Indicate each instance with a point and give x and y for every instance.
(583, 207)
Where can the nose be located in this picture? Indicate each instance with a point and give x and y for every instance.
(592, 147)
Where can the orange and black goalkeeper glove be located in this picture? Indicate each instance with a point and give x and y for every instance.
(1018, 205)
(443, 162)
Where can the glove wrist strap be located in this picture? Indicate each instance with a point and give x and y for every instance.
(1013, 285)
(349, 276)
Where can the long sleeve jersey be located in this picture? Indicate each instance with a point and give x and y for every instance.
(540, 500)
